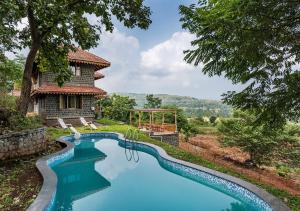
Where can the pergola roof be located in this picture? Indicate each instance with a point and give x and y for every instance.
(54, 89)
(84, 57)
(149, 110)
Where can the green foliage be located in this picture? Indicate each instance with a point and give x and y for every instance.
(292, 129)
(117, 107)
(258, 140)
(18, 122)
(7, 101)
(212, 119)
(189, 130)
(10, 73)
(106, 121)
(181, 118)
(254, 43)
(152, 102)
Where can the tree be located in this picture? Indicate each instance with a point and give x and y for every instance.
(152, 102)
(212, 119)
(117, 107)
(259, 141)
(255, 43)
(56, 26)
(10, 73)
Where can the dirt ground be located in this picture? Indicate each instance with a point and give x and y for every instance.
(208, 147)
(20, 181)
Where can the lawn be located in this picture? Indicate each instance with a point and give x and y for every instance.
(291, 200)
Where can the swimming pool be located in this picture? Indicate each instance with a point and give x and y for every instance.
(102, 173)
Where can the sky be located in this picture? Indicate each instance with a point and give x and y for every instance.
(151, 61)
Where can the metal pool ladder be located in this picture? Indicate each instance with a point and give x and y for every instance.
(131, 137)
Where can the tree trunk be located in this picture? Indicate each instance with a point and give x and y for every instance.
(26, 81)
(36, 44)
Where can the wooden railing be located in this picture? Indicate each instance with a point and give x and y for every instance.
(159, 127)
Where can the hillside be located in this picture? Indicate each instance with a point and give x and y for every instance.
(193, 107)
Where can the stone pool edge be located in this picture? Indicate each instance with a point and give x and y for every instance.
(46, 196)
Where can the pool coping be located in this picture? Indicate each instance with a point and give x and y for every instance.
(47, 193)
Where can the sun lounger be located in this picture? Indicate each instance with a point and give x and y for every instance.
(88, 124)
(67, 126)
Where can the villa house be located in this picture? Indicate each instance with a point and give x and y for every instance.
(75, 98)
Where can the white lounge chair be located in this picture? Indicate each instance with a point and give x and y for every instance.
(88, 124)
(67, 126)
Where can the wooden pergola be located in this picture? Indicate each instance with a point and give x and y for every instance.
(151, 126)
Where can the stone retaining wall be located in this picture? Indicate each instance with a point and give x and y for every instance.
(26, 142)
(172, 139)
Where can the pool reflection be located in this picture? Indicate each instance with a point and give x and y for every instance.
(78, 176)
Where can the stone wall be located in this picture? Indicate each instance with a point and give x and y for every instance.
(52, 111)
(18, 144)
(172, 139)
(86, 78)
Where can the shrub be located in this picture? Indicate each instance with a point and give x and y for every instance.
(117, 107)
(7, 101)
(258, 140)
(212, 119)
(189, 130)
(292, 129)
(18, 122)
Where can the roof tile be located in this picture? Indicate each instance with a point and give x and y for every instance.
(54, 89)
(85, 57)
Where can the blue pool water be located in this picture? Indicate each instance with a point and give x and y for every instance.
(100, 177)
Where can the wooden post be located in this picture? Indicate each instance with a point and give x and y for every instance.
(130, 118)
(176, 130)
(151, 119)
(139, 119)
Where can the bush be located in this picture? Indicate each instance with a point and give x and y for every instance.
(189, 130)
(117, 107)
(7, 101)
(292, 129)
(18, 122)
(258, 140)
(212, 119)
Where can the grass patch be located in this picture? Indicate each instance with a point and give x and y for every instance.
(208, 130)
(291, 200)
(106, 121)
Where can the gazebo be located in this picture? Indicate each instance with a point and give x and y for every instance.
(156, 123)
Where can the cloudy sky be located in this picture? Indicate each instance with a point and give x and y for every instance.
(151, 61)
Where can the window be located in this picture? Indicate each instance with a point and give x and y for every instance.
(43, 102)
(75, 69)
(70, 102)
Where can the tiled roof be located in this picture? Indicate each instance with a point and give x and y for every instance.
(98, 75)
(54, 89)
(81, 56)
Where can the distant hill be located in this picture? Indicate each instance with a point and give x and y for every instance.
(193, 107)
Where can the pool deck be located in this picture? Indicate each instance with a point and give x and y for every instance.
(46, 196)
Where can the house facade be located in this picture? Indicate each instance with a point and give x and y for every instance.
(75, 98)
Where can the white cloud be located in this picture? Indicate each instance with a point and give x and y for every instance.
(160, 69)
(123, 53)
(168, 56)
